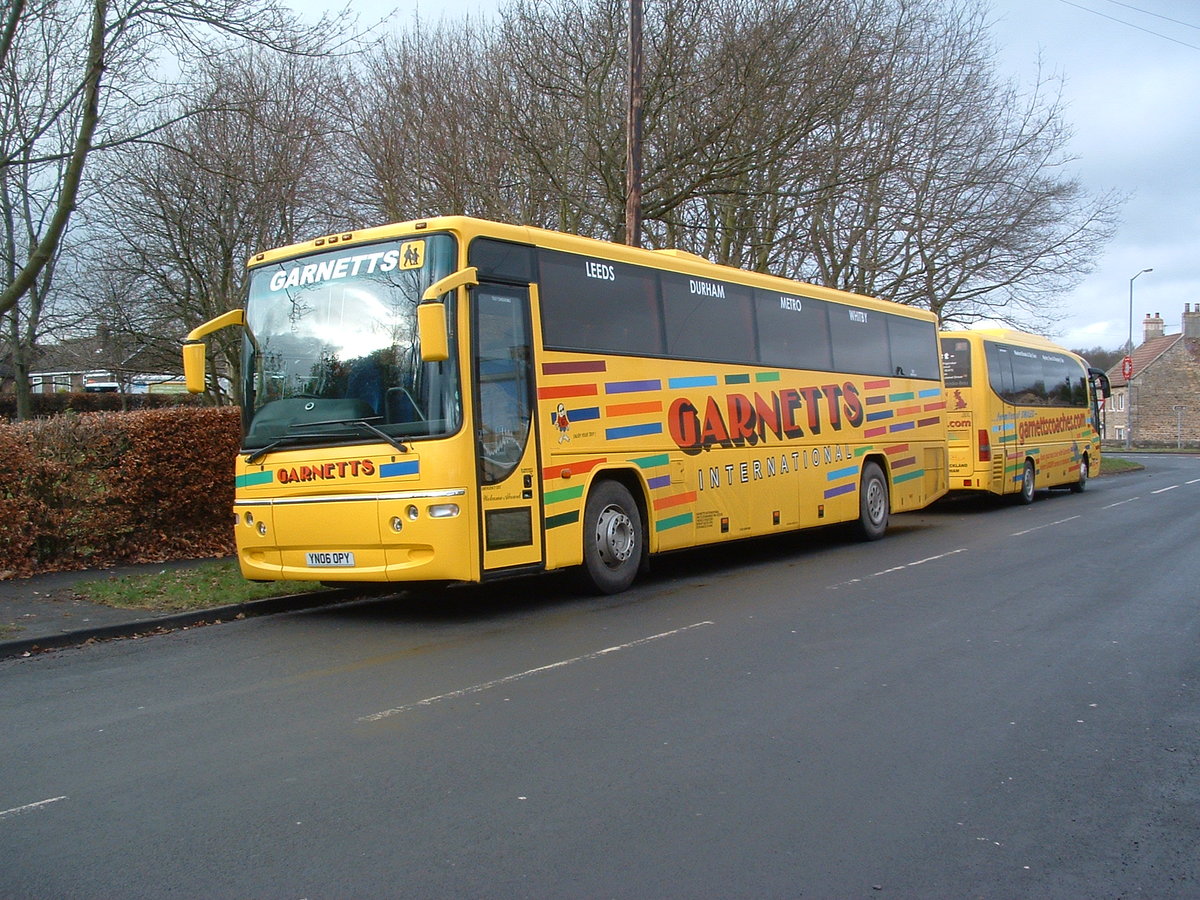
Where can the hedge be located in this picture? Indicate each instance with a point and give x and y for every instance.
(96, 489)
(99, 401)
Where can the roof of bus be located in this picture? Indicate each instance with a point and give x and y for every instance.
(674, 260)
(1009, 336)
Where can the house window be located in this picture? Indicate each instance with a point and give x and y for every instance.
(1120, 401)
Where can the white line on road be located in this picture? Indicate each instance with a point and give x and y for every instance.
(1193, 481)
(1164, 490)
(508, 679)
(1121, 502)
(29, 807)
(919, 562)
(1047, 525)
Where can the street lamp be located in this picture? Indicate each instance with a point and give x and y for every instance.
(1129, 378)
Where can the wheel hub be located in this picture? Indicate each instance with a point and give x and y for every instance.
(614, 536)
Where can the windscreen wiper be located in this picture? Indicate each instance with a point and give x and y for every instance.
(361, 423)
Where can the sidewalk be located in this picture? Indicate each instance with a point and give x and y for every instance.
(39, 613)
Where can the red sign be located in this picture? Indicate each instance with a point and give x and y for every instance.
(1127, 367)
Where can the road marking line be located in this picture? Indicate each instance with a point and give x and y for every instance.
(919, 562)
(29, 807)
(1047, 525)
(1193, 481)
(508, 679)
(1164, 490)
(1121, 502)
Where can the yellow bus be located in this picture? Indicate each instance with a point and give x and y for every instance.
(454, 399)
(1022, 413)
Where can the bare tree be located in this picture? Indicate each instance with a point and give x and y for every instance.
(78, 77)
(867, 145)
(181, 218)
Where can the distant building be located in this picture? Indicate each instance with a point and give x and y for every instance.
(105, 361)
(1159, 406)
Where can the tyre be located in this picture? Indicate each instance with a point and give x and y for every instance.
(1025, 497)
(873, 503)
(1081, 485)
(613, 538)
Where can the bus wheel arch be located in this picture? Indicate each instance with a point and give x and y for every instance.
(874, 500)
(615, 548)
(1078, 487)
(1028, 483)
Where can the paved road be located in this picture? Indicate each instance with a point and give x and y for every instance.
(994, 701)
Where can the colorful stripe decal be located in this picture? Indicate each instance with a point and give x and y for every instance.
(398, 469)
(628, 431)
(652, 462)
(254, 478)
(838, 491)
(563, 494)
(632, 387)
(632, 409)
(675, 500)
(574, 368)
(673, 522)
(574, 467)
(693, 382)
(561, 519)
(567, 390)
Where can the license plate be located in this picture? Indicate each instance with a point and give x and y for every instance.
(331, 558)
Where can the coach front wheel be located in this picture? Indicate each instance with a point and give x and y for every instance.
(1081, 485)
(613, 539)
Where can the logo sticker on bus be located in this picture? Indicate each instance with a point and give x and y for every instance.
(412, 254)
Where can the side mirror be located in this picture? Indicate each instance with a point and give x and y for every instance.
(193, 367)
(193, 347)
(432, 328)
(433, 332)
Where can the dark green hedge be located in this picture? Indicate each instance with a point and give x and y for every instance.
(57, 404)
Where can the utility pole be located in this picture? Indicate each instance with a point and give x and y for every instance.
(633, 131)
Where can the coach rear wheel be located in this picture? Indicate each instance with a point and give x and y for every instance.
(1027, 485)
(872, 503)
(613, 540)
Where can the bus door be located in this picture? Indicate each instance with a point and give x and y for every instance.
(504, 422)
(1008, 452)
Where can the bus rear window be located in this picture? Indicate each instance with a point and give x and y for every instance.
(956, 362)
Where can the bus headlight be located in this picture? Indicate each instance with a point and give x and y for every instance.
(443, 511)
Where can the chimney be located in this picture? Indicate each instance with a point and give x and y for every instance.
(1191, 321)
(1152, 327)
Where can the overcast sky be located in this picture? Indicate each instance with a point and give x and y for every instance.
(1131, 71)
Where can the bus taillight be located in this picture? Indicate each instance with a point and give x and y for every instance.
(985, 446)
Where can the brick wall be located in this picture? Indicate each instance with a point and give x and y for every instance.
(1173, 380)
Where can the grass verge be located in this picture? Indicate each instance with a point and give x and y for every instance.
(1114, 465)
(203, 586)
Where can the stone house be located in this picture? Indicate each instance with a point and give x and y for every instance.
(1159, 406)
